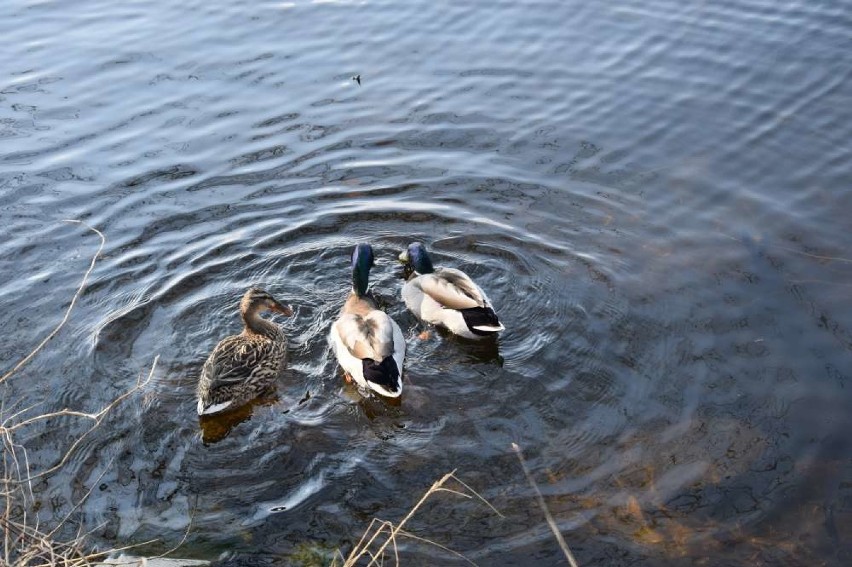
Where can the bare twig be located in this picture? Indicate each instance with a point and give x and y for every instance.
(26, 544)
(52, 334)
(185, 533)
(23, 541)
(80, 503)
(543, 505)
(96, 417)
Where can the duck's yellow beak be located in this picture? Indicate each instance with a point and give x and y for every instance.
(403, 257)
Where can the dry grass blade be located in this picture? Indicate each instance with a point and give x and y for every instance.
(52, 334)
(436, 544)
(378, 527)
(543, 505)
(25, 543)
(456, 492)
(478, 495)
(392, 537)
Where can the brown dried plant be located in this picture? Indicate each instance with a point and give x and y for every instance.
(381, 534)
(372, 537)
(25, 542)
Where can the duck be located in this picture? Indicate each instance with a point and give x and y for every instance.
(447, 297)
(368, 344)
(242, 366)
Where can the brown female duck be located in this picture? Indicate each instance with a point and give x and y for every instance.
(242, 366)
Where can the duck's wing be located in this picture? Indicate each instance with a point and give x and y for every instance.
(367, 336)
(234, 360)
(452, 288)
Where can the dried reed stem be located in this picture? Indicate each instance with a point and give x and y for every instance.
(52, 334)
(543, 505)
(27, 545)
(372, 533)
(185, 533)
(97, 417)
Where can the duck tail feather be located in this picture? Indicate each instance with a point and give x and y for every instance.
(210, 409)
(383, 377)
(489, 328)
(482, 320)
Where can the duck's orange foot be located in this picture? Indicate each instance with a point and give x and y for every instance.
(347, 377)
(425, 335)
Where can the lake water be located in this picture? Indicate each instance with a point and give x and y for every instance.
(656, 196)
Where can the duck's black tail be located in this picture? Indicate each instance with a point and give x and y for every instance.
(482, 321)
(383, 377)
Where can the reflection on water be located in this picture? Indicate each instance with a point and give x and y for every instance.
(654, 195)
(215, 427)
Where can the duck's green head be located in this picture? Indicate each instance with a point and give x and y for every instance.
(362, 261)
(418, 258)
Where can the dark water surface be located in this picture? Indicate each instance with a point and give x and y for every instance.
(656, 195)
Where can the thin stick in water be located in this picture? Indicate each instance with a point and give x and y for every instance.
(543, 505)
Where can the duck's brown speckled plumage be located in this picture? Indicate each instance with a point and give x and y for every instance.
(242, 366)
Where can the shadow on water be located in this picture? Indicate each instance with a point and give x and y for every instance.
(471, 351)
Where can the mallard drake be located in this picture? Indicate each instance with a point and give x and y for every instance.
(243, 366)
(447, 297)
(368, 344)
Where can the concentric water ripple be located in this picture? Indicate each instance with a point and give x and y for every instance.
(652, 194)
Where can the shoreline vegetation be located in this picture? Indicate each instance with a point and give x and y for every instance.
(26, 542)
